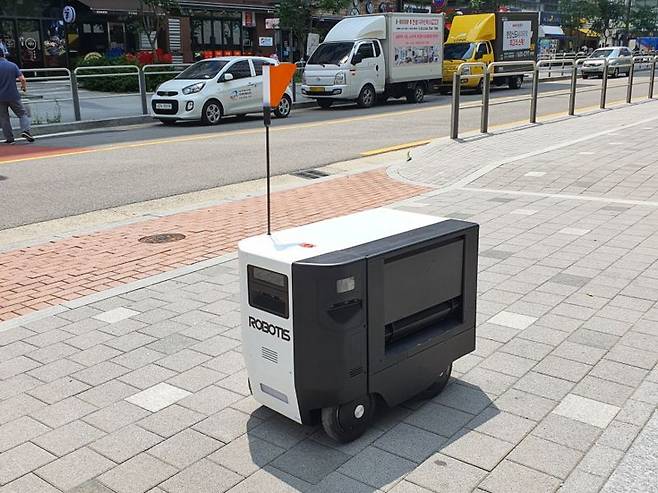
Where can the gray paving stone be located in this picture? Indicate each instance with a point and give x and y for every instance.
(89, 339)
(58, 390)
(500, 424)
(16, 385)
(477, 449)
(79, 313)
(171, 344)
(83, 326)
(138, 358)
(210, 400)
(74, 469)
(21, 460)
(562, 368)
(124, 327)
(633, 356)
(618, 372)
(47, 338)
(443, 473)
(147, 376)
(438, 419)
(107, 393)
(18, 406)
(170, 420)
(93, 486)
(579, 352)
(196, 378)
(544, 385)
(488, 380)
(203, 477)
(647, 392)
(183, 360)
(527, 349)
(600, 460)
(17, 365)
(565, 431)
(100, 373)
(20, 431)
(619, 435)
(593, 338)
(508, 364)
(339, 482)
(29, 484)
(95, 355)
(405, 486)
(115, 315)
(68, 438)
(215, 346)
(125, 443)
(229, 363)
(227, 425)
(603, 390)
(130, 341)
(524, 404)
(272, 480)
(188, 446)
(582, 482)
(238, 383)
(116, 416)
(410, 442)
(137, 475)
(377, 468)
(635, 412)
(55, 370)
(378, 427)
(545, 456)
(158, 397)
(310, 461)
(282, 432)
(525, 480)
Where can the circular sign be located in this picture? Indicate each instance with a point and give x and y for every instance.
(68, 14)
(383, 7)
(354, 11)
(31, 44)
(439, 4)
(370, 8)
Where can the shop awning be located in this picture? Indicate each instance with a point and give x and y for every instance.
(112, 5)
(550, 31)
(224, 5)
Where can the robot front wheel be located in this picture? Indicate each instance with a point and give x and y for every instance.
(437, 387)
(347, 422)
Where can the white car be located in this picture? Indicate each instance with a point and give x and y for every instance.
(216, 87)
(619, 61)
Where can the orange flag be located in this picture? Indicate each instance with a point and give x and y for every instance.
(276, 78)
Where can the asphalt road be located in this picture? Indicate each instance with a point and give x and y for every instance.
(109, 168)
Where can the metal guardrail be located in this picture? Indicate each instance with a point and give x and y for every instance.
(576, 67)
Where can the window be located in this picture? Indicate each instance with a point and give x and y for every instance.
(258, 65)
(365, 50)
(378, 49)
(482, 50)
(202, 70)
(625, 52)
(268, 291)
(240, 70)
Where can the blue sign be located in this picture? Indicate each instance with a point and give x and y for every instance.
(68, 14)
(439, 4)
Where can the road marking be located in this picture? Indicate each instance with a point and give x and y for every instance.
(252, 131)
(398, 147)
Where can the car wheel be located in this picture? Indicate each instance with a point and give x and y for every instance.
(615, 73)
(285, 105)
(416, 95)
(212, 112)
(167, 123)
(367, 96)
(347, 422)
(516, 82)
(325, 103)
(437, 387)
(585, 76)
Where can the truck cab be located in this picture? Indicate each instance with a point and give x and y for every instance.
(486, 38)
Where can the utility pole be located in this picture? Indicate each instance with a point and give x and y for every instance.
(628, 21)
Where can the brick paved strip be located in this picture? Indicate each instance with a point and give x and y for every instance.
(19, 152)
(44, 275)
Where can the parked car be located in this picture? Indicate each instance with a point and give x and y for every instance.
(216, 87)
(619, 61)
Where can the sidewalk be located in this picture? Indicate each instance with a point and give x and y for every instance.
(143, 388)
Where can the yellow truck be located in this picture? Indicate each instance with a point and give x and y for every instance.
(499, 36)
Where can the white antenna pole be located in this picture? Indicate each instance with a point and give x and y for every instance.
(267, 119)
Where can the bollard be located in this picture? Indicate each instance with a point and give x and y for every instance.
(604, 83)
(629, 88)
(572, 93)
(533, 98)
(75, 97)
(484, 117)
(142, 90)
(454, 112)
(652, 76)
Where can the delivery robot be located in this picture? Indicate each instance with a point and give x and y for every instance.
(342, 313)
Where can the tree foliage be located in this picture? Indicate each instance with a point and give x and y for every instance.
(644, 20)
(297, 15)
(152, 17)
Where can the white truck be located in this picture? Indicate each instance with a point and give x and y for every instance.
(373, 57)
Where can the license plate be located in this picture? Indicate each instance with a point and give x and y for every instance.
(163, 106)
(316, 89)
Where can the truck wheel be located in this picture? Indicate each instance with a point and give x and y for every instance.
(516, 82)
(437, 387)
(416, 95)
(347, 422)
(444, 91)
(325, 103)
(367, 97)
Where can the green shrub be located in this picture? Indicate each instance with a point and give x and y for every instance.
(123, 83)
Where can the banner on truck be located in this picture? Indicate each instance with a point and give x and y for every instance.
(517, 35)
(417, 40)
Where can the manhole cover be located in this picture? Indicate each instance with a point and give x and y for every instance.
(162, 238)
(310, 174)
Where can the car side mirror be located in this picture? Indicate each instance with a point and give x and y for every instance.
(227, 77)
(356, 59)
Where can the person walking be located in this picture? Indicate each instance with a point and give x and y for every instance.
(10, 98)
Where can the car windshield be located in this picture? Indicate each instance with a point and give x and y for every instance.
(601, 53)
(202, 70)
(458, 51)
(331, 53)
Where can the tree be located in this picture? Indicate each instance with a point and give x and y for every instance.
(574, 15)
(606, 14)
(644, 20)
(297, 15)
(152, 18)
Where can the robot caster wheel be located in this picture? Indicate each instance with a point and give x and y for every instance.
(347, 422)
(437, 387)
